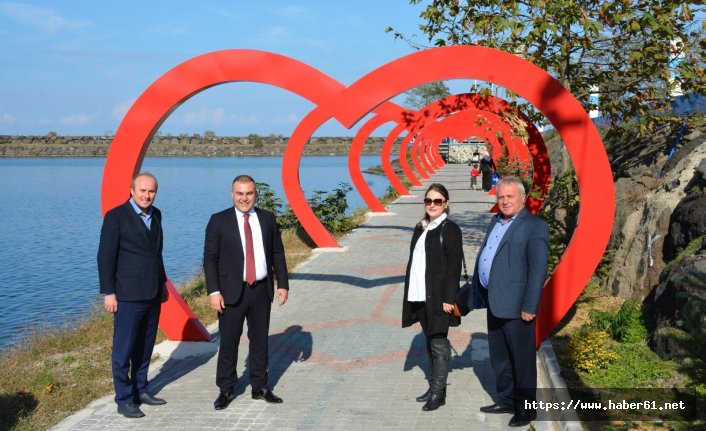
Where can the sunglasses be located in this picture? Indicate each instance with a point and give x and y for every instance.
(437, 202)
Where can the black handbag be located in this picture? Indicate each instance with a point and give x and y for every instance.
(461, 304)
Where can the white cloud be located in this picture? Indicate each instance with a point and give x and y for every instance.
(282, 36)
(171, 29)
(7, 119)
(120, 109)
(276, 31)
(207, 116)
(249, 120)
(286, 119)
(78, 119)
(44, 19)
(290, 11)
(356, 22)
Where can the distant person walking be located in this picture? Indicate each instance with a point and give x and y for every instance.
(132, 278)
(475, 173)
(243, 254)
(431, 285)
(510, 272)
(487, 167)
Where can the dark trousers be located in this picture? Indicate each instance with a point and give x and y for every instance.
(134, 332)
(511, 344)
(254, 305)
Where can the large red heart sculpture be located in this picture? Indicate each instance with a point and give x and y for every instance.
(348, 105)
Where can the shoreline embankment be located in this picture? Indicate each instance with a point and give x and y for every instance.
(181, 146)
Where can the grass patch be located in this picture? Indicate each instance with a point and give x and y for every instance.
(55, 373)
(621, 360)
(689, 250)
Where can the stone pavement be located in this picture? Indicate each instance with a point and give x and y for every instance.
(338, 356)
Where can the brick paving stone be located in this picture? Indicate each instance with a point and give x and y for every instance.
(338, 356)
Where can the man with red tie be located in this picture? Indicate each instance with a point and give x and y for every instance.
(243, 254)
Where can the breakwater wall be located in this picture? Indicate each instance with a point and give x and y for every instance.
(179, 146)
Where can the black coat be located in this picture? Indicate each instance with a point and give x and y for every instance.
(130, 261)
(443, 274)
(223, 257)
(487, 167)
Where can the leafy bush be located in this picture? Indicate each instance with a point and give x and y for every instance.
(560, 211)
(256, 140)
(625, 325)
(267, 199)
(589, 351)
(635, 366)
(331, 208)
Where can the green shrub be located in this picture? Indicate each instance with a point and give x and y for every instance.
(625, 325)
(589, 351)
(635, 366)
(331, 208)
(560, 211)
(256, 140)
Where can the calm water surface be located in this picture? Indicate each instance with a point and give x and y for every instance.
(51, 223)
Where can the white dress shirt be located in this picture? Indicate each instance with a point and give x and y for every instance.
(258, 246)
(417, 274)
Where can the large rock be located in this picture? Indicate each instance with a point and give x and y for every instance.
(679, 291)
(648, 189)
(688, 221)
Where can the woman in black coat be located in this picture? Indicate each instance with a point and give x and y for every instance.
(487, 167)
(431, 285)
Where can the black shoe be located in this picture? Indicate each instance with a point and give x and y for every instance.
(130, 410)
(496, 408)
(267, 395)
(423, 398)
(521, 419)
(224, 398)
(435, 401)
(151, 400)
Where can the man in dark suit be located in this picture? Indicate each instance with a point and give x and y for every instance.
(510, 272)
(132, 278)
(243, 254)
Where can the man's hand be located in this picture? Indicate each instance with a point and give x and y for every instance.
(448, 308)
(216, 301)
(165, 292)
(282, 295)
(110, 303)
(527, 317)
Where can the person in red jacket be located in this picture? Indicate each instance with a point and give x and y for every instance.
(475, 173)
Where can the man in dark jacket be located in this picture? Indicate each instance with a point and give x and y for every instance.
(510, 272)
(132, 278)
(243, 254)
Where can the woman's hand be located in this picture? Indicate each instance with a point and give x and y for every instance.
(448, 308)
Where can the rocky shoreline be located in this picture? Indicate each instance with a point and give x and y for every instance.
(179, 146)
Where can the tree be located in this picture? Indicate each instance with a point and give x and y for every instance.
(421, 96)
(621, 47)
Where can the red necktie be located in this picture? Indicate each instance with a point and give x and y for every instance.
(249, 252)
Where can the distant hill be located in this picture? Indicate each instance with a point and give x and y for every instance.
(177, 146)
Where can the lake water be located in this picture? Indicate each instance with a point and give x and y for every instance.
(51, 220)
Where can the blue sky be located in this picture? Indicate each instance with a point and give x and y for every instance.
(76, 66)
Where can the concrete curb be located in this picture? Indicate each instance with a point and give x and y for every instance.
(568, 419)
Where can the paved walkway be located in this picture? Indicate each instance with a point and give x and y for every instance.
(338, 356)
